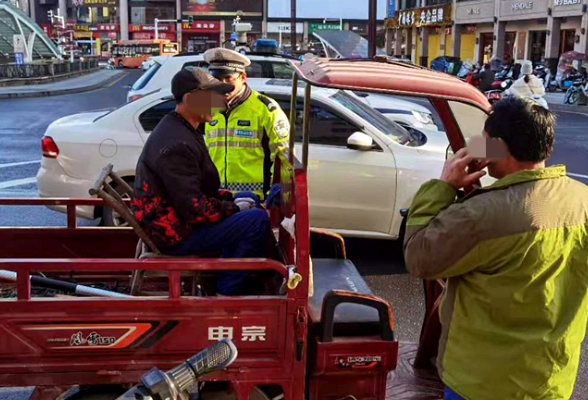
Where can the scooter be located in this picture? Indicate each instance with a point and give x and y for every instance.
(550, 83)
(174, 384)
(578, 92)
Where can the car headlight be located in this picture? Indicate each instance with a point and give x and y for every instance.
(424, 118)
(503, 85)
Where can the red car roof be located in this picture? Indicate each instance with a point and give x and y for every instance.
(389, 77)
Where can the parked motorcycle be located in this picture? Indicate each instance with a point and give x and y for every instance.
(578, 92)
(174, 384)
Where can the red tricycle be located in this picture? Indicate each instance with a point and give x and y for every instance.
(328, 340)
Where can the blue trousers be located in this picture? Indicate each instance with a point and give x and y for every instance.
(242, 235)
(451, 395)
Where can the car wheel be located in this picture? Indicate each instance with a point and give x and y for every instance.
(111, 217)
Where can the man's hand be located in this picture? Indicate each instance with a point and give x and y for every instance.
(455, 170)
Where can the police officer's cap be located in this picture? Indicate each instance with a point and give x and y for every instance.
(225, 62)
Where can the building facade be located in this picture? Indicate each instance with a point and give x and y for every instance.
(511, 30)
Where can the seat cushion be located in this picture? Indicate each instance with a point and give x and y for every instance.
(350, 319)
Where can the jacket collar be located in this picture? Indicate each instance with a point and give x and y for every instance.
(528, 175)
(239, 99)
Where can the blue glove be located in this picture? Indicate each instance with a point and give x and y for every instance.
(248, 195)
(273, 197)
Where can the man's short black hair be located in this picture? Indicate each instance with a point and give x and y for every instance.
(527, 128)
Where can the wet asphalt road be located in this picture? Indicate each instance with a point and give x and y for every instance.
(23, 122)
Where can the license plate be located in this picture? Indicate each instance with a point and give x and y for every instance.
(567, 83)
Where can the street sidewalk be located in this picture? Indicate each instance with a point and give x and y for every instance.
(80, 84)
(556, 103)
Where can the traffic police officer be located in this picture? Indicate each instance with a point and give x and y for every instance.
(243, 141)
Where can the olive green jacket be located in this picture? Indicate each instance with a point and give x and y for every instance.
(515, 306)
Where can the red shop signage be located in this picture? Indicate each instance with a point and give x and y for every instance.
(202, 26)
(151, 35)
(46, 28)
(151, 28)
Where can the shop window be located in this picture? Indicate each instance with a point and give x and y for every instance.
(404, 4)
(95, 15)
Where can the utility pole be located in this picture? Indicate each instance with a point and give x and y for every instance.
(373, 15)
(293, 24)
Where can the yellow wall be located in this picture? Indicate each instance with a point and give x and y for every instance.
(434, 52)
(418, 51)
(468, 46)
(448, 41)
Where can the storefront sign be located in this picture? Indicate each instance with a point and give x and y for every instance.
(83, 35)
(522, 6)
(248, 8)
(284, 27)
(202, 26)
(511, 10)
(391, 10)
(566, 2)
(480, 12)
(93, 3)
(46, 28)
(96, 28)
(427, 16)
(151, 28)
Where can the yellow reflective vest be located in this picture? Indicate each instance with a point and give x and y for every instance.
(244, 141)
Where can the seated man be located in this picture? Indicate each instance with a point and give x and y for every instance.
(177, 198)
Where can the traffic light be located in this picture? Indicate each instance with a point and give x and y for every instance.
(190, 21)
(50, 15)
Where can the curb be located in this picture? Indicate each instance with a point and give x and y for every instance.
(44, 93)
(568, 108)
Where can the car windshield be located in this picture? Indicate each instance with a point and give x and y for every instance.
(377, 119)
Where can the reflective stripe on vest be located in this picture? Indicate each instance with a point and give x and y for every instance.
(244, 187)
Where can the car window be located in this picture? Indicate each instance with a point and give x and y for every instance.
(282, 70)
(144, 80)
(326, 128)
(199, 64)
(151, 117)
(255, 70)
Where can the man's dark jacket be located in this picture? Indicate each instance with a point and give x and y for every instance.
(177, 184)
(486, 78)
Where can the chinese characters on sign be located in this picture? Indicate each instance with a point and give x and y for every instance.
(249, 333)
(203, 26)
(428, 16)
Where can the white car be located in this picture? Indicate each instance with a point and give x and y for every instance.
(159, 78)
(151, 61)
(363, 167)
(278, 67)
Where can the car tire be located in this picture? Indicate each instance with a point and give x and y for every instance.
(109, 216)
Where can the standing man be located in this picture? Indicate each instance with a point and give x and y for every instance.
(177, 199)
(243, 141)
(515, 256)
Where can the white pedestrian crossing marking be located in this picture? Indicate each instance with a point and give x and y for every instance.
(16, 164)
(17, 182)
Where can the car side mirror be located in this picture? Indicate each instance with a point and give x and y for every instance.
(360, 141)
